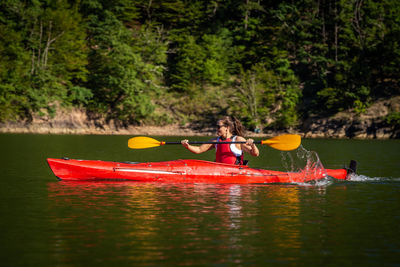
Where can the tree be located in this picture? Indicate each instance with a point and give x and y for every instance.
(203, 61)
(51, 53)
(122, 83)
(267, 97)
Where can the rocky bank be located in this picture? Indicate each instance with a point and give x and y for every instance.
(368, 125)
(347, 124)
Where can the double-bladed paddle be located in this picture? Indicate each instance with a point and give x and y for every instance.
(285, 142)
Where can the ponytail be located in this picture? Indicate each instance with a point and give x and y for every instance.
(238, 128)
(234, 125)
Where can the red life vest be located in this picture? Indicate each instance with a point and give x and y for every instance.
(228, 153)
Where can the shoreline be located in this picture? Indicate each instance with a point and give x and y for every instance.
(168, 130)
(343, 125)
(131, 130)
(175, 130)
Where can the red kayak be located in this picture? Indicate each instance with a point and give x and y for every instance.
(184, 171)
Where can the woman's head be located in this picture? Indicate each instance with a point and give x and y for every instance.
(232, 124)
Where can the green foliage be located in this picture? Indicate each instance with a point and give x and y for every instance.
(44, 55)
(218, 53)
(190, 61)
(330, 98)
(261, 91)
(11, 102)
(393, 119)
(268, 62)
(79, 95)
(151, 43)
(202, 61)
(253, 98)
(121, 82)
(360, 107)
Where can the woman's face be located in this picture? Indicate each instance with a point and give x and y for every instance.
(221, 129)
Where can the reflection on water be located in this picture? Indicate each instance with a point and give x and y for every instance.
(195, 223)
(151, 222)
(286, 218)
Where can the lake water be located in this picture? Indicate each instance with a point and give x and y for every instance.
(46, 222)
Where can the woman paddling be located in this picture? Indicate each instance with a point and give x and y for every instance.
(228, 130)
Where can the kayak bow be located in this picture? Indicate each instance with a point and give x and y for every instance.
(183, 171)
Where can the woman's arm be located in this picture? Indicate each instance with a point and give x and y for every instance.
(249, 146)
(197, 149)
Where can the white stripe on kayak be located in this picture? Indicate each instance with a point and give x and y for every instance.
(145, 171)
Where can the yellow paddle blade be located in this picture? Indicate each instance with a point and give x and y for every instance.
(285, 142)
(141, 142)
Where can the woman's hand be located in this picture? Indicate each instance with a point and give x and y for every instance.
(185, 143)
(252, 148)
(250, 142)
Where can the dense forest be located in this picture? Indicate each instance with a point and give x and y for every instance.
(271, 63)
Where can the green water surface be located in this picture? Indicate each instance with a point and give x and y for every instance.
(46, 222)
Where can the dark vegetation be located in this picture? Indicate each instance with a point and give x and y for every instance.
(271, 63)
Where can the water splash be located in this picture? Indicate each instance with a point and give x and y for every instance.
(308, 163)
(363, 178)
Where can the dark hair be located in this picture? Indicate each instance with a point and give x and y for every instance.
(234, 125)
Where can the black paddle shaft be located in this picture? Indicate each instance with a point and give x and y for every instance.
(211, 142)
